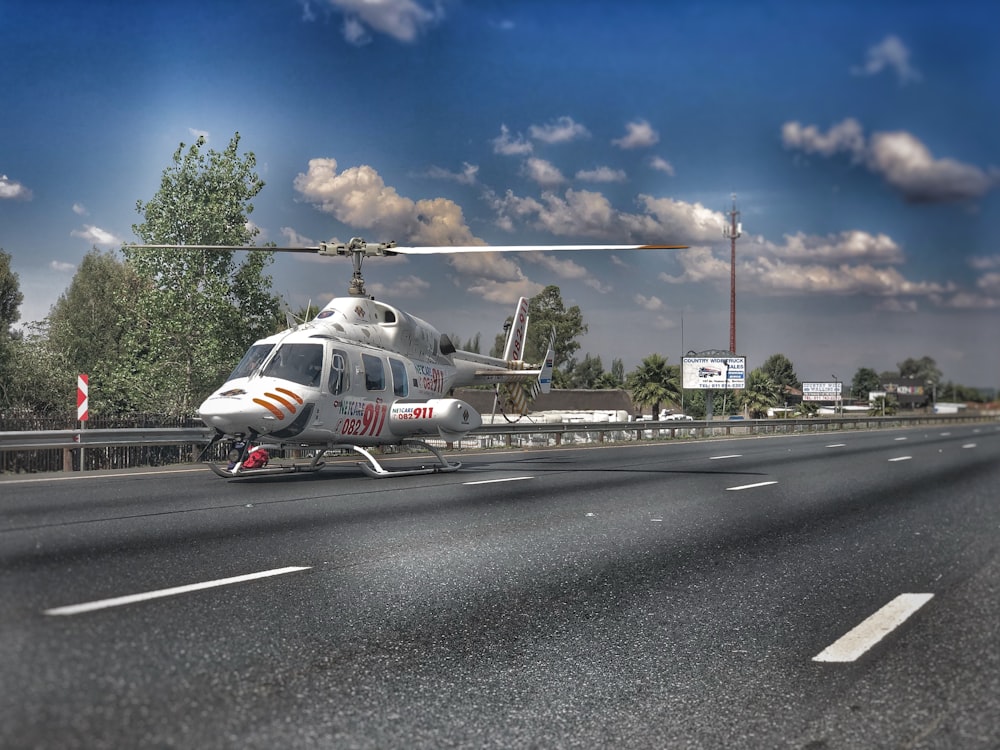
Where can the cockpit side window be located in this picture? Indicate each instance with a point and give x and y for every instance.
(339, 374)
(299, 363)
(374, 372)
(399, 384)
(255, 355)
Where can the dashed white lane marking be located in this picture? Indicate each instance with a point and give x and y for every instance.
(855, 643)
(495, 481)
(901, 458)
(119, 601)
(836, 445)
(969, 445)
(750, 486)
(718, 458)
(900, 439)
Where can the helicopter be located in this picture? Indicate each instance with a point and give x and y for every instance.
(364, 374)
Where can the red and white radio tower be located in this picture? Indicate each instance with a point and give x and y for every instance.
(733, 231)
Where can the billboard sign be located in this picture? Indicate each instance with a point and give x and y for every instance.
(722, 373)
(822, 391)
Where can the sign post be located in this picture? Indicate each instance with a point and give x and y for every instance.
(82, 407)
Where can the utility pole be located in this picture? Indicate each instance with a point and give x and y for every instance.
(732, 232)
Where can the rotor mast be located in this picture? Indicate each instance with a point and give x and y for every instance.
(358, 249)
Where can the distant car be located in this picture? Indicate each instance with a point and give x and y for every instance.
(675, 417)
(736, 417)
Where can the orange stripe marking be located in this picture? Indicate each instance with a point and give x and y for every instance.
(283, 401)
(270, 407)
(287, 392)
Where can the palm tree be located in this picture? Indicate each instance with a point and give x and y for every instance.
(654, 382)
(760, 394)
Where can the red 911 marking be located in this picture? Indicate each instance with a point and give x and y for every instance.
(371, 422)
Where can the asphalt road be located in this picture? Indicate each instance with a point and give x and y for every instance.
(821, 591)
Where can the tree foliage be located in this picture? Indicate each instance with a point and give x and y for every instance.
(548, 312)
(761, 393)
(197, 311)
(655, 382)
(780, 369)
(10, 304)
(865, 381)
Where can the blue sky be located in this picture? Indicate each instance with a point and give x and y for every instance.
(859, 139)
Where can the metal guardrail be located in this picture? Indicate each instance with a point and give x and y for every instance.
(102, 438)
(517, 434)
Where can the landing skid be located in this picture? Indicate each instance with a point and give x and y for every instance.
(374, 469)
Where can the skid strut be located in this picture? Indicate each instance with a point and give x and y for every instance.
(374, 469)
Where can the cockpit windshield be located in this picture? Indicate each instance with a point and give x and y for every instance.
(300, 363)
(251, 361)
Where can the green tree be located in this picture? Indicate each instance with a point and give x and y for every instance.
(924, 369)
(780, 369)
(585, 374)
(760, 393)
(90, 323)
(613, 379)
(37, 378)
(865, 381)
(198, 310)
(655, 382)
(548, 312)
(10, 304)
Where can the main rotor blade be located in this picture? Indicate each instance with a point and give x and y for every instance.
(434, 249)
(417, 250)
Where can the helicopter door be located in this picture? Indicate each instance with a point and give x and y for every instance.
(340, 376)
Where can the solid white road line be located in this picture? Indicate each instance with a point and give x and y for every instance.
(750, 486)
(855, 643)
(901, 458)
(495, 481)
(717, 458)
(76, 609)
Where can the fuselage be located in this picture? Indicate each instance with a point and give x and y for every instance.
(361, 372)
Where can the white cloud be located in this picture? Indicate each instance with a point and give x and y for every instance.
(507, 146)
(852, 245)
(13, 190)
(466, 177)
(563, 130)
(602, 174)
(846, 137)
(907, 165)
(409, 286)
(651, 304)
(777, 276)
(403, 20)
(544, 172)
(585, 213)
(79, 209)
(199, 134)
(984, 262)
(96, 236)
(60, 266)
(360, 198)
(639, 134)
(899, 158)
(662, 165)
(892, 54)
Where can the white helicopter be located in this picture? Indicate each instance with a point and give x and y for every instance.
(365, 374)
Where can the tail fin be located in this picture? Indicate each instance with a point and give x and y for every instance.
(514, 350)
(545, 376)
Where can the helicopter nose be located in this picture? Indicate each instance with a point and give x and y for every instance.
(228, 414)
